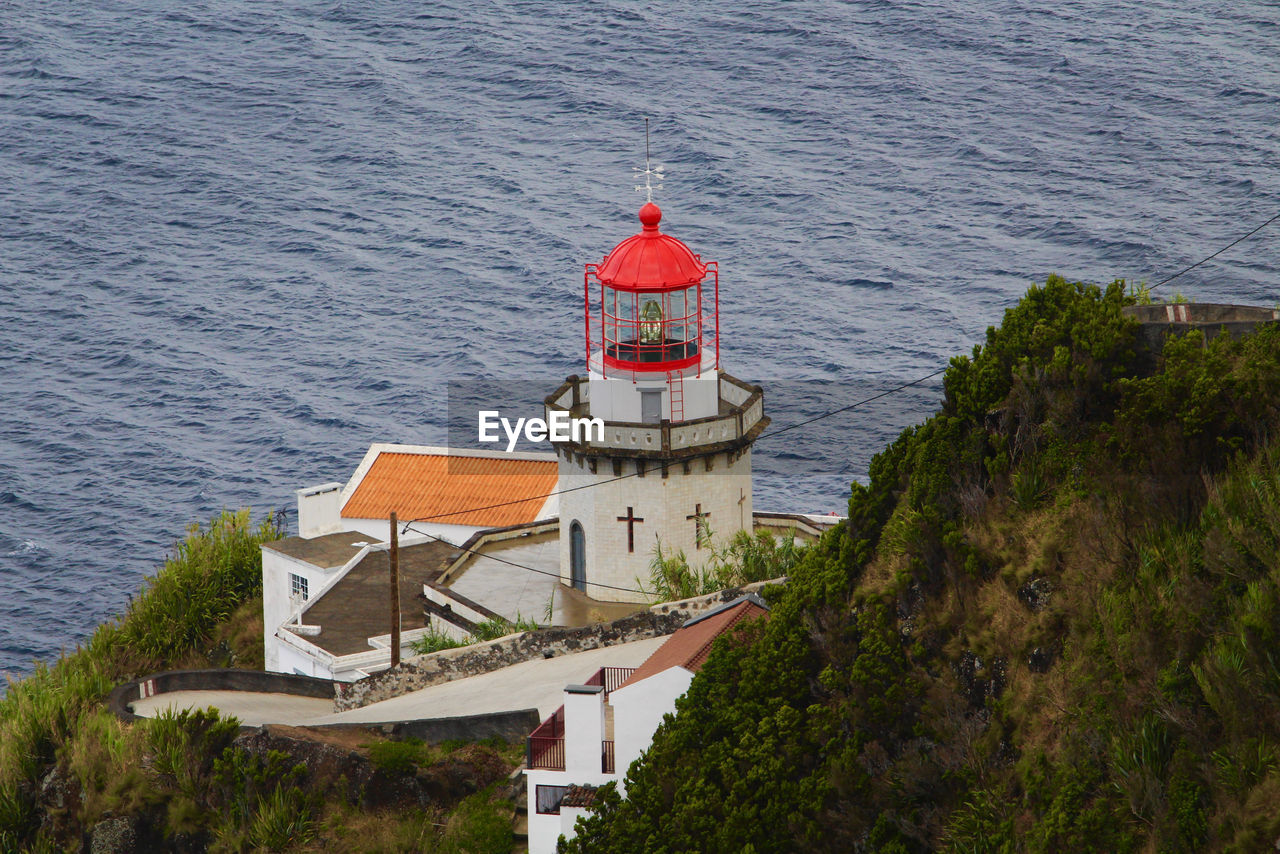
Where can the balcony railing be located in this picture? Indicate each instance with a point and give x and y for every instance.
(545, 748)
(545, 753)
(545, 745)
(610, 678)
(741, 423)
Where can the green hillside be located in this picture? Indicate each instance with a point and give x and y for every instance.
(1051, 623)
(73, 777)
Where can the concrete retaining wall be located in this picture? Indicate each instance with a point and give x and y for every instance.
(1158, 322)
(450, 664)
(509, 726)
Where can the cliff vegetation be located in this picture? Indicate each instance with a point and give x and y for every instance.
(1051, 623)
(74, 777)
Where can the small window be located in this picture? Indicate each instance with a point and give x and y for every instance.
(298, 586)
(549, 798)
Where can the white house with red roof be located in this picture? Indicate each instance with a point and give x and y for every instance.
(606, 723)
(325, 592)
(445, 492)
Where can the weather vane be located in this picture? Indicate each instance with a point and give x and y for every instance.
(649, 172)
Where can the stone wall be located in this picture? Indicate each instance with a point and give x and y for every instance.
(447, 665)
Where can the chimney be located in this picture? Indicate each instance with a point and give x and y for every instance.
(319, 509)
(583, 729)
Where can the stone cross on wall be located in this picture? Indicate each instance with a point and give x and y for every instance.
(631, 519)
(699, 525)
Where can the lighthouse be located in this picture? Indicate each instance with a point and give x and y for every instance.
(673, 466)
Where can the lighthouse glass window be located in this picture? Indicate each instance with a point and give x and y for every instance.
(676, 317)
(651, 316)
(623, 307)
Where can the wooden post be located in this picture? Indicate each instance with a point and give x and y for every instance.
(394, 555)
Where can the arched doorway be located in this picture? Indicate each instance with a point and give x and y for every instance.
(578, 557)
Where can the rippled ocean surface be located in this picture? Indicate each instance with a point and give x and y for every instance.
(241, 241)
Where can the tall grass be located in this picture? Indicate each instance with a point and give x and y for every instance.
(745, 558)
(435, 640)
(285, 817)
(206, 579)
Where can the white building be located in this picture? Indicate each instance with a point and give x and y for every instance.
(326, 593)
(607, 723)
(565, 537)
(444, 492)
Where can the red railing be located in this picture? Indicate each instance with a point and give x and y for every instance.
(610, 678)
(545, 746)
(546, 753)
(621, 336)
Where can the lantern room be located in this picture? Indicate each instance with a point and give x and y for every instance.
(647, 306)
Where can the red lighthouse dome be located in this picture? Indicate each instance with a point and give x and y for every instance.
(651, 260)
(651, 302)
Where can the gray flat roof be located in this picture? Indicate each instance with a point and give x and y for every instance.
(325, 552)
(358, 606)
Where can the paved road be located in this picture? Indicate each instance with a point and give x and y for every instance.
(253, 709)
(531, 684)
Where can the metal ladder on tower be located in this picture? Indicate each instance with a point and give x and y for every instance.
(675, 380)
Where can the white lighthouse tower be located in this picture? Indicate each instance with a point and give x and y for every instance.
(675, 459)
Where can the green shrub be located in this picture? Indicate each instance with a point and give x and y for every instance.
(434, 640)
(240, 780)
(497, 627)
(185, 744)
(745, 558)
(284, 818)
(480, 825)
(17, 815)
(860, 717)
(399, 757)
(208, 576)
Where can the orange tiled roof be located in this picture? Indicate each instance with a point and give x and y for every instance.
(690, 645)
(438, 487)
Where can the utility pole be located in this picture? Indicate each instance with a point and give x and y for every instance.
(394, 555)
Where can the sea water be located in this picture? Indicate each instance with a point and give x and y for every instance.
(239, 242)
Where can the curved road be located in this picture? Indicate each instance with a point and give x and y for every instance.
(531, 684)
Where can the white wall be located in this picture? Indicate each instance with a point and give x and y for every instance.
(584, 731)
(292, 660)
(638, 711)
(544, 830)
(618, 399)
(568, 818)
(379, 530)
(278, 605)
(318, 510)
(663, 503)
